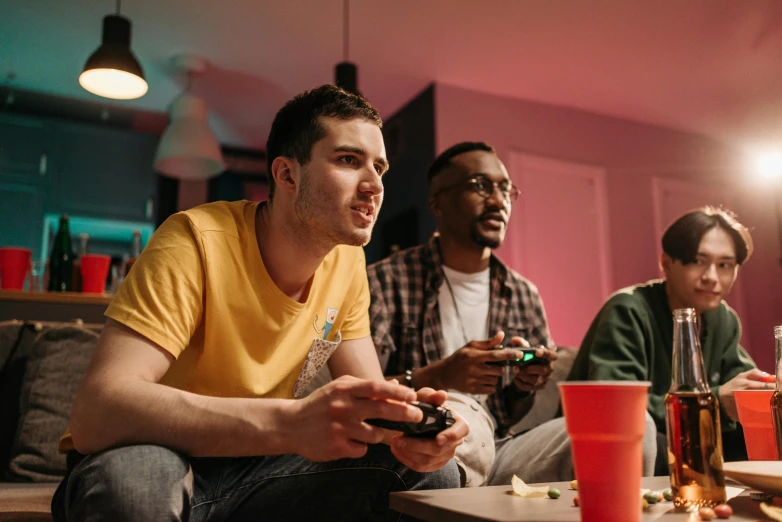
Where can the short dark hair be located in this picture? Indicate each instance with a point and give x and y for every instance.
(297, 126)
(445, 158)
(682, 238)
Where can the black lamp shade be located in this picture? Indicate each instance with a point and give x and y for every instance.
(112, 70)
(346, 77)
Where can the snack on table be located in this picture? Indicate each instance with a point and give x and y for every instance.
(772, 512)
(723, 511)
(523, 490)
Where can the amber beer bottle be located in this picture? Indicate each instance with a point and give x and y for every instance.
(692, 414)
(776, 398)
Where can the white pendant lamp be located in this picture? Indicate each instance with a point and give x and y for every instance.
(188, 149)
(112, 71)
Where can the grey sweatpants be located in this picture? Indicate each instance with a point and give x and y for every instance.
(543, 454)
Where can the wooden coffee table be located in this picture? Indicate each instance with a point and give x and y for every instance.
(498, 504)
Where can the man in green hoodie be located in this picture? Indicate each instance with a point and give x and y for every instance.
(632, 336)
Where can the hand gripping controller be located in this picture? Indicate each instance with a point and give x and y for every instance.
(527, 359)
(436, 419)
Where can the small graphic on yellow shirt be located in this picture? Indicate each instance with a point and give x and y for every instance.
(331, 316)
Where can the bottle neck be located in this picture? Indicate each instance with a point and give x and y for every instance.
(778, 359)
(63, 239)
(135, 247)
(688, 372)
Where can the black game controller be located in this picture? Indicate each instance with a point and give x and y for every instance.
(527, 359)
(436, 419)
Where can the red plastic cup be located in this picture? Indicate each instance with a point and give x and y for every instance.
(94, 271)
(754, 408)
(14, 265)
(606, 421)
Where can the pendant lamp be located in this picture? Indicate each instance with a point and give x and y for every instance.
(346, 72)
(113, 71)
(188, 150)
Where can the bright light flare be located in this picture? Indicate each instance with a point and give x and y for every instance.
(769, 166)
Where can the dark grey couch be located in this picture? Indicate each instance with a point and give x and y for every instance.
(41, 368)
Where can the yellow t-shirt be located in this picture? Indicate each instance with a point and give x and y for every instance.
(200, 290)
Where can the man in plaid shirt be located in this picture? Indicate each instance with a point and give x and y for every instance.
(440, 310)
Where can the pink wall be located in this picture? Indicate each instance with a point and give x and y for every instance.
(632, 154)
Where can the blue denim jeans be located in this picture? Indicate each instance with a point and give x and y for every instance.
(145, 483)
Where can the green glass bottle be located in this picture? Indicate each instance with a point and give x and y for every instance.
(61, 260)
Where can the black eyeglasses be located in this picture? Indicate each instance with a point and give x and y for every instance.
(482, 185)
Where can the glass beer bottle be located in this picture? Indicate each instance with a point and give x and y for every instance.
(61, 259)
(135, 251)
(692, 414)
(776, 398)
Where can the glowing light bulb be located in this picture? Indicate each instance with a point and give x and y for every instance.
(769, 166)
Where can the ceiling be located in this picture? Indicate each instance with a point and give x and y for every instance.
(709, 66)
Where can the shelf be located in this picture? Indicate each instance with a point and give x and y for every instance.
(56, 297)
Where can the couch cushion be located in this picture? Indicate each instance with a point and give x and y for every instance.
(16, 339)
(56, 366)
(9, 335)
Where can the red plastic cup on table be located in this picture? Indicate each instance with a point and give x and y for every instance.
(94, 271)
(14, 266)
(606, 421)
(754, 407)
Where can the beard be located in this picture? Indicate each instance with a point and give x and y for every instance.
(483, 241)
(320, 219)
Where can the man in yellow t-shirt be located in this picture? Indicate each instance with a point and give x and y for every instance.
(194, 405)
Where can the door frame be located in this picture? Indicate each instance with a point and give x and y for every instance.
(521, 161)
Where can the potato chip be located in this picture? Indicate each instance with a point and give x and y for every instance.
(772, 512)
(522, 490)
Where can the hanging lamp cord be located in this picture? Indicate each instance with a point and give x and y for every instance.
(346, 30)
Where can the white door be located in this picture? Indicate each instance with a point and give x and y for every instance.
(673, 197)
(558, 239)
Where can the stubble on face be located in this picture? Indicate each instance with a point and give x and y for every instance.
(325, 195)
(483, 240)
(318, 209)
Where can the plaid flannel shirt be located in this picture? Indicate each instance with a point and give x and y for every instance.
(405, 315)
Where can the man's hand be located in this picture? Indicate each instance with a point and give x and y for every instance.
(466, 369)
(533, 377)
(329, 424)
(750, 380)
(424, 455)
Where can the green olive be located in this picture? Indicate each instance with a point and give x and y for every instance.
(668, 495)
(553, 493)
(651, 497)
